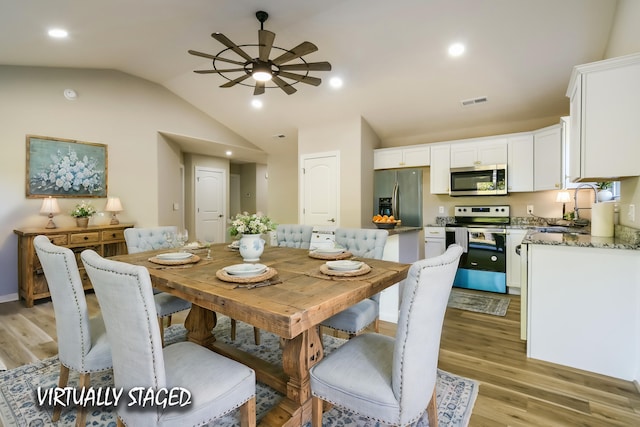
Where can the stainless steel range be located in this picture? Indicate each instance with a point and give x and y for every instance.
(482, 233)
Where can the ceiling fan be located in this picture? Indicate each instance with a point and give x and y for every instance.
(263, 69)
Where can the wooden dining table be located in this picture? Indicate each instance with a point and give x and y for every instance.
(292, 309)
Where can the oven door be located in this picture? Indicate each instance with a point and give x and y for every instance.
(483, 267)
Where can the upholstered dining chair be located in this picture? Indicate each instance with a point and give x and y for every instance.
(393, 380)
(149, 239)
(365, 243)
(294, 235)
(82, 340)
(218, 385)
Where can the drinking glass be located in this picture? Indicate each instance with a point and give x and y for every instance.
(169, 238)
(182, 236)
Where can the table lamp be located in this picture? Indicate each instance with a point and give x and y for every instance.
(563, 197)
(114, 206)
(50, 207)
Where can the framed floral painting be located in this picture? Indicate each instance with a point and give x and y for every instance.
(65, 168)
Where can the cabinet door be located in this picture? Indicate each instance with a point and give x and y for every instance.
(514, 238)
(520, 163)
(547, 161)
(418, 156)
(573, 147)
(387, 159)
(463, 154)
(493, 152)
(439, 171)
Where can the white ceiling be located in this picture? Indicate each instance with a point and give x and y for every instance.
(392, 56)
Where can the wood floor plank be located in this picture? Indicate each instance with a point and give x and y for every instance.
(514, 391)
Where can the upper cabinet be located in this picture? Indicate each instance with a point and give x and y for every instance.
(547, 158)
(604, 124)
(439, 171)
(391, 158)
(520, 163)
(481, 152)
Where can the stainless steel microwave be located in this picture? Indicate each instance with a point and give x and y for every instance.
(485, 180)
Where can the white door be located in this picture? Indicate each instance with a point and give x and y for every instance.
(210, 201)
(320, 189)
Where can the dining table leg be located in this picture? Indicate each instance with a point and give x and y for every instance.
(199, 323)
(298, 356)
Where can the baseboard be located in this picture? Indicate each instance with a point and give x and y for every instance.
(8, 297)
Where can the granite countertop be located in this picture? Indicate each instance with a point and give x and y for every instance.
(403, 229)
(624, 238)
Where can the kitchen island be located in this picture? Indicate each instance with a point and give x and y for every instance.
(583, 301)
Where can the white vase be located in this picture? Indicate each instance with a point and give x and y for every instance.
(251, 247)
(604, 195)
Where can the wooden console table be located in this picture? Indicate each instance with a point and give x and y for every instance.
(107, 240)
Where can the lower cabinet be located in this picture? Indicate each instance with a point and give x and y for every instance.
(434, 241)
(514, 238)
(107, 240)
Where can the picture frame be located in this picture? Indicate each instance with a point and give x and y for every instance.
(59, 167)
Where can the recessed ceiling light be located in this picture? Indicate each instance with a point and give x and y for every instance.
(456, 49)
(228, 152)
(256, 103)
(58, 33)
(335, 82)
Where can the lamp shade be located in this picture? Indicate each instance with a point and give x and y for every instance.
(563, 197)
(113, 205)
(49, 206)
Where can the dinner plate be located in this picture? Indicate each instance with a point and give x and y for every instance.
(174, 256)
(344, 265)
(329, 251)
(245, 270)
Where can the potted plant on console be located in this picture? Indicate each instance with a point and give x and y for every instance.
(251, 227)
(82, 212)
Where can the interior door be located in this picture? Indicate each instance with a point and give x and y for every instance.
(320, 189)
(210, 203)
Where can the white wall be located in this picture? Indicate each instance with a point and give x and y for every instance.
(112, 108)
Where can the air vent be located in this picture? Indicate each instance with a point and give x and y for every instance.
(473, 101)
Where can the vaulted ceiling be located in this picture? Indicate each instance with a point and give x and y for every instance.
(391, 55)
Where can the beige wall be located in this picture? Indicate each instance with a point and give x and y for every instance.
(112, 108)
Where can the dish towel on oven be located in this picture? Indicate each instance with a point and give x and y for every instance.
(462, 238)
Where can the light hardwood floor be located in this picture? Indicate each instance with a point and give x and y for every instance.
(514, 391)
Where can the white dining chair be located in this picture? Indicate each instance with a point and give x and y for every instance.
(364, 243)
(140, 239)
(82, 340)
(393, 380)
(218, 385)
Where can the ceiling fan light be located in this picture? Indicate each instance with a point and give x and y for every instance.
(261, 76)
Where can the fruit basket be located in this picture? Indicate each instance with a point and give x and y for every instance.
(385, 222)
(385, 225)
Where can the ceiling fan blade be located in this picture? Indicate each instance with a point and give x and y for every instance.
(303, 48)
(215, 58)
(228, 43)
(284, 85)
(265, 38)
(229, 70)
(303, 79)
(259, 89)
(309, 66)
(236, 81)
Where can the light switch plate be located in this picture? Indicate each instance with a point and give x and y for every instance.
(632, 213)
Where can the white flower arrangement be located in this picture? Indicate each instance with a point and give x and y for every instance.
(256, 223)
(68, 172)
(83, 210)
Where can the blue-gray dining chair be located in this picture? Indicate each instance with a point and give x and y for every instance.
(82, 340)
(364, 243)
(218, 385)
(393, 380)
(150, 239)
(294, 235)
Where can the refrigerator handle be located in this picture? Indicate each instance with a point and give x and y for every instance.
(394, 201)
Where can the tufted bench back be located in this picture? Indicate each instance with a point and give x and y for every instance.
(148, 239)
(294, 235)
(367, 243)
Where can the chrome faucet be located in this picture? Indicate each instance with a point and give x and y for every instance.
(575, 197)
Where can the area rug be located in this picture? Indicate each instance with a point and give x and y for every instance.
(19, 406)
(480, 303)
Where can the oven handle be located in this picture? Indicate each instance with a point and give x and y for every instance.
(487, 230)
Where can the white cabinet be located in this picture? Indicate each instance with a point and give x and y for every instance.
(604, 119)
(390, 158)
(439, 171)
(485, 152)
(547, 158)
(514, 238)
(434, 241)
(520, 163)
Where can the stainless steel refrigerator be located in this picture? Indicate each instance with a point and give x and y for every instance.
(404, 189)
